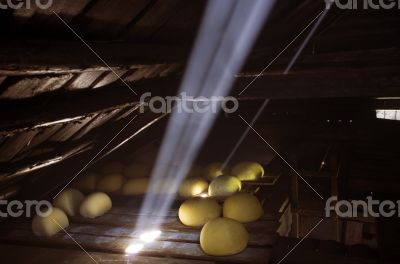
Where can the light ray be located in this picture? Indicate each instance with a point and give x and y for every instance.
(227, 33)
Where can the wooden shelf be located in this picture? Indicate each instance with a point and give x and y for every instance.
(114, 231)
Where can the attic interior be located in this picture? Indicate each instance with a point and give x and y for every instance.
(327, 127)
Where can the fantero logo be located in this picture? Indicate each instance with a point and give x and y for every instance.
(360, 208)
(26, 4)
(363, 4)
(188, 104)
(26, 208)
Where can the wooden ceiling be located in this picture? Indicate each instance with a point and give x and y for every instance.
(58, 99)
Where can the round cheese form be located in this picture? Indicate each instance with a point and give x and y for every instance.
(136, 186)
(192, 187)
(248, 171)
(110, 183)
(213, 170)
(69, 201)
(224, 186)
(137, 170)
(86, 182)
(243, 207)
(95, 205)
(223, 237)
(112, 167)
(51, 224)
(198, 211)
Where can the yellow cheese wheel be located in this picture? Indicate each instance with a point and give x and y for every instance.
(69, 200)
(110, 183)
(223, 237)
(136, 186)
(248, 171)
(213, 170)
(95, 204)
(112, 167)
(243, 207)
(86, 182)
(51, 224)
(197, 211)
(224, 186)
(191, 187)
(137, 170)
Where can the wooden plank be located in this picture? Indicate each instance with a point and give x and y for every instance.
(62, 108)
(118, 245)
(44, 134)
(29, 87)
(16, 170)
(69, 129)
(110, 78)
(186, 235)
(268, 180)
(15, 144)
(96, 122)
(85, 80)
(40, 255)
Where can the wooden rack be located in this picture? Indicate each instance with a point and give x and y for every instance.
(106, 237)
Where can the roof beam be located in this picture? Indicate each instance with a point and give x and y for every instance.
(48, 56)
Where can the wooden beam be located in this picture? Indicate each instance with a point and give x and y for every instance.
(330, 61)
(371, 73)
(43, 57)
(13, 171)
(61, 107)
(381, 82)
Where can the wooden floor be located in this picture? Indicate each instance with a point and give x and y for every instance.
(106, 238)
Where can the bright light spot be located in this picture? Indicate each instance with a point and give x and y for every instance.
(197, 190)
(134, 248)
(388, 98)
(203, 195)
(150, 236)
(389, 114)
